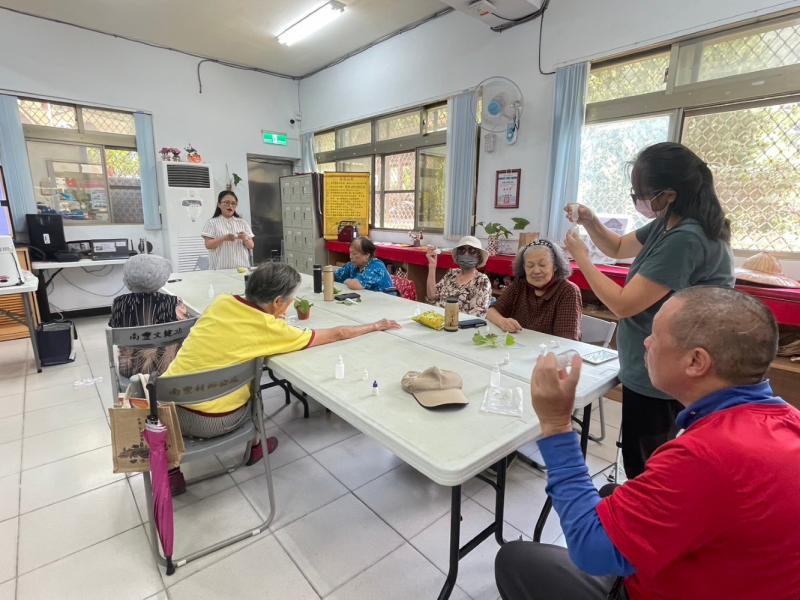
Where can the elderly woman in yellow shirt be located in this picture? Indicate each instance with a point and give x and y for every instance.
(234, 330)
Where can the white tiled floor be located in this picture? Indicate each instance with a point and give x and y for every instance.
(353, 521)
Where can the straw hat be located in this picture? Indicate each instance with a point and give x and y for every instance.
(474, 242)
(765, 269)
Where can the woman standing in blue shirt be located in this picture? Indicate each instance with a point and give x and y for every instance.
(364, 271)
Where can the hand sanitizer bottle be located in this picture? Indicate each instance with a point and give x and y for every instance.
(340, 368)
(495, 382)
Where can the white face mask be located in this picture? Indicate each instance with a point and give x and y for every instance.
(645, 208)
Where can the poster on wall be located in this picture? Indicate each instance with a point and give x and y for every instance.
(507, 188)
(347, 198)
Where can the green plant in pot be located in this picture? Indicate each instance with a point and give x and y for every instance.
(494, 231)
(303, 308)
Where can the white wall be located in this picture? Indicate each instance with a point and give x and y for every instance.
(224, 123)
(434, 61)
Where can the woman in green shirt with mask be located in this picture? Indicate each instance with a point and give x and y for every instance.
(686, 244)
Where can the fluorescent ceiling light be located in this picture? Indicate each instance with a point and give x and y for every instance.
(325, 14)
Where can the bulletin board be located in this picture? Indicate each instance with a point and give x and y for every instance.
(347, 198)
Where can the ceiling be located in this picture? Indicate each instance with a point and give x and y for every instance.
(240, 31)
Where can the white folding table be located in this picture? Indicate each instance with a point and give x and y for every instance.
(30, 285)
(448, 445)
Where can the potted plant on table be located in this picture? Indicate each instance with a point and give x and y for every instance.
(303, 308)
(494, 231)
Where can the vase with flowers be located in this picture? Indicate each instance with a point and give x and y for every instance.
(165, 153)
(176, 154)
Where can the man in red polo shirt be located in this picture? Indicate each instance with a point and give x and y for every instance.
(716, 514)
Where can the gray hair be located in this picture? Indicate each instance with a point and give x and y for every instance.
(146, 273)
(562, 267)
(272, 280)
(738, 332)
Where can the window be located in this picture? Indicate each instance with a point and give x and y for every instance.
(83, 162)
(355, 135)
(406, 160)
(768, 47)
(754, 153)
(397, 126)
(733, 99)
(607, 149)
(628, 79)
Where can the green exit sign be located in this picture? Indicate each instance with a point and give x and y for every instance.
(279, 139)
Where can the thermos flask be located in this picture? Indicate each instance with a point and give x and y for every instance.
(451, 315)
(317, 279)
(327, 283)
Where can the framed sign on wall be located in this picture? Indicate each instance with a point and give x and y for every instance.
(506, 191)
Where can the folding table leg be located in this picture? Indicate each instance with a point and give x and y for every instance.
(548, 504)
(455, 541)
(26, 302)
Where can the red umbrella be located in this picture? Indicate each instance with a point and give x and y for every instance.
(156, 436)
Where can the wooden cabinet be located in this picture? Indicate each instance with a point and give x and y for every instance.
(10, 329)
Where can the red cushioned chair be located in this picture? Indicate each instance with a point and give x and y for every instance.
(405, 287)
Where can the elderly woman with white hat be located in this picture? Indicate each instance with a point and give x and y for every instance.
(470, 287)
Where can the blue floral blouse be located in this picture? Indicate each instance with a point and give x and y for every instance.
(374, 277)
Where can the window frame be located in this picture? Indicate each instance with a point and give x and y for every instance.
(80, 137)
(376, 149)
(760, 88)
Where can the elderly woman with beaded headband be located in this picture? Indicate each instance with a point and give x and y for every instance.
(144, 275)
(540, 298)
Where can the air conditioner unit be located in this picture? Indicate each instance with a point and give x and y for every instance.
(496, 12)
(189, 202)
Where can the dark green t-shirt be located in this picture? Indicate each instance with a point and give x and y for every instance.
(680, 258)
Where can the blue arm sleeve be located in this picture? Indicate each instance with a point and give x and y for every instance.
(343, 273)
(575, 498)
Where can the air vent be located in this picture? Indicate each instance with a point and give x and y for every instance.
(184, 176)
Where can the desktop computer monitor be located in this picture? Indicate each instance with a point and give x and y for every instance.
(46, 233)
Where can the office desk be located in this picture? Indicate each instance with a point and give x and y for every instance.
(39, 268)
(25, 290)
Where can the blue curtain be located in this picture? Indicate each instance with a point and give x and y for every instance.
(145, 146)
(462, 134)
(308, 162)
(14, 158)
(565, 158)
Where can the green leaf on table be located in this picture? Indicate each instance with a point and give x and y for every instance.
(337, 290)
(490, 338)
(509, 339)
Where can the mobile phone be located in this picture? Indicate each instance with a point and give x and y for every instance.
(599, 357)
(350, 296)
(469, 323)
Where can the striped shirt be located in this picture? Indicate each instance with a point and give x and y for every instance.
(228, 255)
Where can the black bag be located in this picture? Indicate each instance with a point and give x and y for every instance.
(55, 341)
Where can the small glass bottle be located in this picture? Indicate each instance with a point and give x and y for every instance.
(374, 388)
(340, 368)
(495, 381)
(211, 291)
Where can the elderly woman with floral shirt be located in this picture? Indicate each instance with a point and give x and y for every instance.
(470, 287)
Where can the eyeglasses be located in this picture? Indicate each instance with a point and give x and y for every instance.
(467, 250)
(229, 203)
(636, 197)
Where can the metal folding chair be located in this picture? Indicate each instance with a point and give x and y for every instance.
(194, 388)
(601, 332)
(202, 263)
(146, 336)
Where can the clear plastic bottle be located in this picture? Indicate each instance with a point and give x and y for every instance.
(374, 388)
(211, 291)
(340, 368)
(365, 376)
(495, 381)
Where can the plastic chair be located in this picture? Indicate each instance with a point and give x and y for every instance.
(146, 336)
(202, 263)
(193, 388)
(601, 332)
